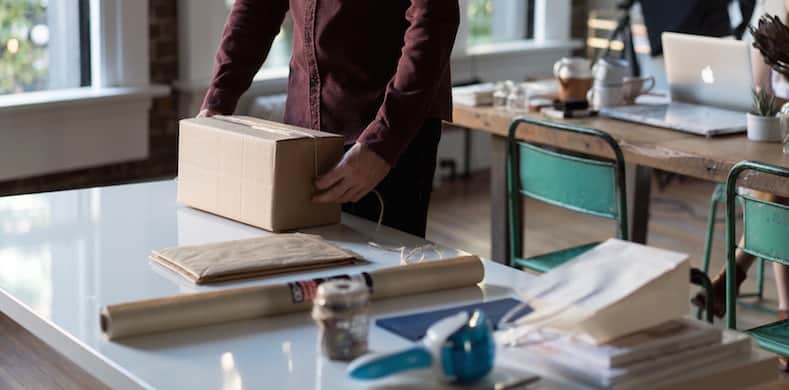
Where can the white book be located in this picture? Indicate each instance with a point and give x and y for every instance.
(636, 376)
(670, 337)
(472, 101)
(474, 95)
(474, 90)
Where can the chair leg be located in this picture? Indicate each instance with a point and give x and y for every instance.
(717, 195)
(760, 279)
(700, 278)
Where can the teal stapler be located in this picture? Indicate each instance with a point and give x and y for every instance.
(460, 349)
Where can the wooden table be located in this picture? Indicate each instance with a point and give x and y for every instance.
(646, 147)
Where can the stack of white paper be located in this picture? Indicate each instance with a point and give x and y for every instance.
(474, 95)
(613, 317)
(641, 360)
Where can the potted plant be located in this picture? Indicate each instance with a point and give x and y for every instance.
(763, 122)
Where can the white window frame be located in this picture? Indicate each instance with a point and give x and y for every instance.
(506, 23)
(519, 58)
(118, 56)
(58, 130)
(64, 36)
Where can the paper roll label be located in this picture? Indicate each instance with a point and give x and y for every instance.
(305, 290)
(296, 292)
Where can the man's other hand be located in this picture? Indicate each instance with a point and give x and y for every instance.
(359, 171)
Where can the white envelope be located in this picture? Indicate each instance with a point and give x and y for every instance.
(612, 290)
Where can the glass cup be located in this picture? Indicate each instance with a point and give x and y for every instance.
(502, 93)
(518, 99)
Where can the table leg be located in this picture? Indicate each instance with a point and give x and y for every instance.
(638, 207)
(467, 152)
(499, 231)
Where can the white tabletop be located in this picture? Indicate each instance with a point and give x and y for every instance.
(64, 255)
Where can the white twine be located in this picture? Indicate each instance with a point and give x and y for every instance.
(409, 257)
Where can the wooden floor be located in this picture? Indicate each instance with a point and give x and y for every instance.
(459, 217)
(27, 363)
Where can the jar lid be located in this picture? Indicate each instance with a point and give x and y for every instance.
(342, 293)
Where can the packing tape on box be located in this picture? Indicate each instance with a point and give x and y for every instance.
(273, 129)
(207, 308)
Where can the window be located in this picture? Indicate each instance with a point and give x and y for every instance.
(279, 55)
(44, 44)
(491, 21)
(281, 48)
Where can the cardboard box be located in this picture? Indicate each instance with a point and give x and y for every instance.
(256, 171)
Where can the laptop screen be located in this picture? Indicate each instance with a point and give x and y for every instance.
(699, 17)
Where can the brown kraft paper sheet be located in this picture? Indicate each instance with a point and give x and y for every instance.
(253, 257)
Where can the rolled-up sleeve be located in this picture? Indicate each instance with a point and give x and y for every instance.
(422, 66)
(246, 41)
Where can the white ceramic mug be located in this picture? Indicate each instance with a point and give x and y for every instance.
(572, 68)
(609, 71)
(602, 97)
(634, 87)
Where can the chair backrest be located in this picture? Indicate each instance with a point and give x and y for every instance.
(765, 225)
(580, 183)
(577, 183)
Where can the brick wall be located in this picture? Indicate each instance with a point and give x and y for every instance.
(163, 129)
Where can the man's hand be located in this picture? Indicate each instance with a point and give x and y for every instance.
(359, 171)
(206, 113)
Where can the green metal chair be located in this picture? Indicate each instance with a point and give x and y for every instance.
(766, 235)
(582, 184)
(717, 195)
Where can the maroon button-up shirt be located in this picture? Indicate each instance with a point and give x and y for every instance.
(372, 70)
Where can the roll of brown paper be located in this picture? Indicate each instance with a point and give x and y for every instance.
(192, 310)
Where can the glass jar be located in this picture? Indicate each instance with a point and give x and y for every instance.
(341, 310)
(518, 100)
(501, 93)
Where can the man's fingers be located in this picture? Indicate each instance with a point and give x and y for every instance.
(361, 193)
(347, 196)
(330, 179)
(354, 194)
(333, 194)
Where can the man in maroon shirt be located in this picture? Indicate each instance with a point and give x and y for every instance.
(375, 71)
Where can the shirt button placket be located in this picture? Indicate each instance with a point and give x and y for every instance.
(312, 64)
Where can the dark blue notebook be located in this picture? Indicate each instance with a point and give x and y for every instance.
(414, 326)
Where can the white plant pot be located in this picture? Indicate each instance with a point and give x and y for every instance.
(764, 128)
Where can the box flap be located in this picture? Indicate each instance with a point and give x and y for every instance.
(258, 128)
(284, 131)
(229, 127)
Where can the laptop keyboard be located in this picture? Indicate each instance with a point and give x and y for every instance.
(692, 118)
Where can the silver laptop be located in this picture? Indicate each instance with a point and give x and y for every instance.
(710, 84)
